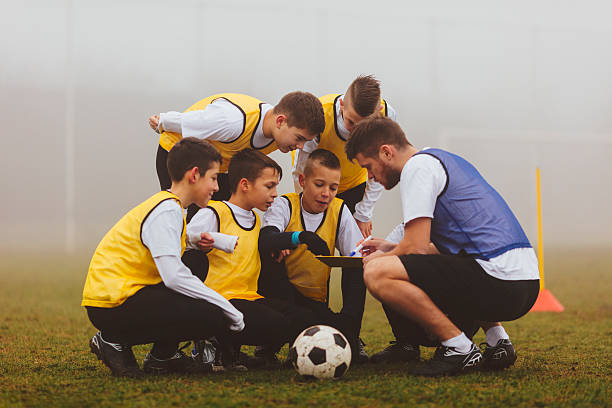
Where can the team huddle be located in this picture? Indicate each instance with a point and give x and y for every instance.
(194, 262)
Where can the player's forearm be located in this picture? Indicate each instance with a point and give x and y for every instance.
(177, 277)
(298, 168)
(365, 208)
(271, 239)
(170, 122)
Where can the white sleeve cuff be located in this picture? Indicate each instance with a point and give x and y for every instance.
(361, 215)
(170, 122)
(224, 242)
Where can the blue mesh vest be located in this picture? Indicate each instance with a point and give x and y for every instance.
(470, 217)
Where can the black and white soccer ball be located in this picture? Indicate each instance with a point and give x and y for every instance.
(321, 352)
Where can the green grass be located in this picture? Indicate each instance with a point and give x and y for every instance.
(564, 359)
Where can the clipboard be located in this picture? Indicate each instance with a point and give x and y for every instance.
(341, 261)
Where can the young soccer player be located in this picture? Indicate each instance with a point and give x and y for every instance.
(253, 178)
(311, 223)
(137, 289)
(481, 268)
(233, 122)
(342, 113)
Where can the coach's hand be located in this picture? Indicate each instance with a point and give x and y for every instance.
(314, 242)
(365, 227)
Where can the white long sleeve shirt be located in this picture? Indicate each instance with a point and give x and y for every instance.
(221, 120)
(161, 233)
(365, 208)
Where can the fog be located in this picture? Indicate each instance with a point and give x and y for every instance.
(510, 85)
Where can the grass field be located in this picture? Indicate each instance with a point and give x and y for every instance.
(564, 359)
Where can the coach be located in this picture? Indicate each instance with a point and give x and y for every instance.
(464, 261)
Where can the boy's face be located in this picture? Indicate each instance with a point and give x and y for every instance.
(262, 191)
(206, 185)
(289, 138)
(320, 187)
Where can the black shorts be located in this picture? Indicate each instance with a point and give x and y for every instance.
(462, 289)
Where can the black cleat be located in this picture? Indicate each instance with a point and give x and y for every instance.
(397, 351)
(265, 357)
(448, 361)
(499, 356)
(179, 363)
(119, 358)
(360, 357)
(203, 354)
(229, 358)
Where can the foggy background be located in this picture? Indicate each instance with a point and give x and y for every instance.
(510, 85)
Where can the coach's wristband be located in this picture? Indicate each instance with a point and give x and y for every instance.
(295, 238)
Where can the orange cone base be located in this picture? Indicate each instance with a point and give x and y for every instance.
(546, 302)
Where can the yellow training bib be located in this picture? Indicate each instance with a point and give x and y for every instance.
(235, 275)
(309, 275)
(251, 111)
(122, 264)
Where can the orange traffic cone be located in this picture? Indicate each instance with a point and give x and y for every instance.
(546, 301)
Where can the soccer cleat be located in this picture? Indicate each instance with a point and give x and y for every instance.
(229, 358)
(203, 353)
(361, 357)
(448, 361)
(265, 357)
(397, 351)
(178, 363)
(119, 358)
(499, 356)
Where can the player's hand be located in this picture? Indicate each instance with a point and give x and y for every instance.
(154, 123)
(365, 227)
(314, 242)
(376, 244)
(206, 242)
(280, 255)
(374, 255)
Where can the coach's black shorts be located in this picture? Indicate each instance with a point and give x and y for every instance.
(461, 288)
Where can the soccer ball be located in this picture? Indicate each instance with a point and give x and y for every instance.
(321, 352)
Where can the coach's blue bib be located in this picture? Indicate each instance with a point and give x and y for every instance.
(470, 217)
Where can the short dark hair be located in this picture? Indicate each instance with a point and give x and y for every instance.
(190, 152)
(367, 137)
(363, 95)
(322, 157)
(303, 111)
(248, 164)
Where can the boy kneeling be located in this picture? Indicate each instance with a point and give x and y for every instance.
(253, 178)
(322, 222)
(137, 289)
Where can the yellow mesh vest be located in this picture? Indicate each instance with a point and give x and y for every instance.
(352, 173)
(235, 275)
(251, 111)
(309, 275)
(122, 264)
